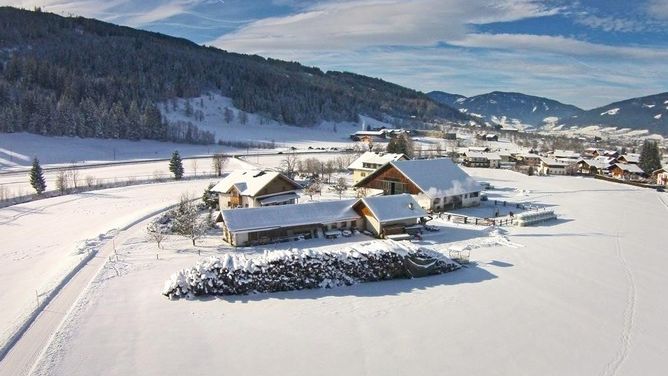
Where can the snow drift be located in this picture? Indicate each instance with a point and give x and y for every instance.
(298, 270)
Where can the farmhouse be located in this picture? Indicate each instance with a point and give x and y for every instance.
(626, 171)
(383, 215)
(253, 188)
(370, 162)
(437, 184)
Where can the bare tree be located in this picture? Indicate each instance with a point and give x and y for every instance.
(61, 181)
(73, 175)
(193, 165)
(340, 187)
(328, 169)
(187, 221)
(289, 164)
(362, 192)
(218, 163)
(313, 188)
(155, 234)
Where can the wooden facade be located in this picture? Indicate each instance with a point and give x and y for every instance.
(392, 182)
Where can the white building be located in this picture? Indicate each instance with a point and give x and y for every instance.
(254, 188)
(370, 162)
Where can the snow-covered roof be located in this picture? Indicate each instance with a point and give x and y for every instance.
(393, 207)
(631, 158)
(631, 168)
(488, 156)
(554, 162)
(566, 154)
(374, 158)
(274, 217)
(437, 177)
(598, 162)
(249, 182)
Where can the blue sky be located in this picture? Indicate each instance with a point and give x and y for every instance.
(587, 53)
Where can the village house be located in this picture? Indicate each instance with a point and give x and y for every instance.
(370, 162)
(566, 155)
(626, 171)
(550, 166)
(382, 216)
(477, 159)
(629, 158)
(528, 159)
(254, 188)
(661, 176)
(437, 184)
(595, 166)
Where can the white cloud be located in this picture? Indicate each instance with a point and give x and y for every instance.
(364, 23)
(658, 9)
(555, 44)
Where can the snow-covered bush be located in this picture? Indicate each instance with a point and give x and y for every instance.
(297, 270)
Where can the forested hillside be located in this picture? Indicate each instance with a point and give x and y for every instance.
(83, 77)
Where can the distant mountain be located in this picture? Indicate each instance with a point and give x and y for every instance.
(82, 77)
(446, 98)
(507, 107)
(650, 112)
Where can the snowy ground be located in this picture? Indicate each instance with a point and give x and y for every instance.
(581, 295)
(18, 183)
(43, 241)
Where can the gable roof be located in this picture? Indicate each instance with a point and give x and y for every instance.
(250, 182)
(393, 207)
(630, 158)
(371, 157)
(274, 217)
(434, 177)
(630, 168)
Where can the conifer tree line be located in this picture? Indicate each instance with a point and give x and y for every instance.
(87, 78)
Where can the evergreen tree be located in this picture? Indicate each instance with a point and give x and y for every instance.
(210, 198)
(401, 145)
(37, 177)
(176, 165)
(650, 157)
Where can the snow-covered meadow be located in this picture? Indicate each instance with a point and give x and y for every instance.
(43, 241)
(579, 295)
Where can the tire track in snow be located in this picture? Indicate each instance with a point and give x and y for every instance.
(629, 316)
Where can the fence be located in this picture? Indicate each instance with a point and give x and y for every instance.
(97, 185)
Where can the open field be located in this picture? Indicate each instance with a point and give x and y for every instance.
(580, 295)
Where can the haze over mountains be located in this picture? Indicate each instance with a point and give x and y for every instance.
(649, 112)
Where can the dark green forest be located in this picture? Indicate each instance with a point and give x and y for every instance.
(74, 76)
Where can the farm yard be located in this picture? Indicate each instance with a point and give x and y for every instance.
(594, 274)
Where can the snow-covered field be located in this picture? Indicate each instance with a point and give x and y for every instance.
(581, 295)
(43, 241)
(18, 183)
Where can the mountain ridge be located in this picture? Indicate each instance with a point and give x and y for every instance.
(76, 76)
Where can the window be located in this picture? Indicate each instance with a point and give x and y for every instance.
(475, 194)
(363, 174)
(437, 201)
(343, 224)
